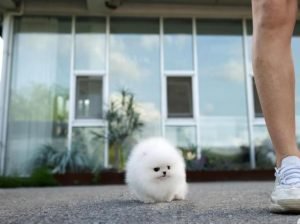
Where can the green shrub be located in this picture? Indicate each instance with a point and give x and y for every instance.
(40, 177)
(7, 182)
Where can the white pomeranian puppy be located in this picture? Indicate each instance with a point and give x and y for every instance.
(155, 172)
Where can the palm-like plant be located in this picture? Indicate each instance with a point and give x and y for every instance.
(123, 121)
(63, 160)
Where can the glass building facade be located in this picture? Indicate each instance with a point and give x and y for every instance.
(191, 79)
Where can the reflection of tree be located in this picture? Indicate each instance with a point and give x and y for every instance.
(265, 154)
(123, 122)
(41, 103)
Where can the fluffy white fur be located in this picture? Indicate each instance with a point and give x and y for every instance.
(155, 172)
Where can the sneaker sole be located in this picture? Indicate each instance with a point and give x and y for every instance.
(285, 206)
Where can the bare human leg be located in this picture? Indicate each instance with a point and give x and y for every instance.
(273, 25)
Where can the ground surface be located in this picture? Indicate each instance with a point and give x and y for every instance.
(211, 203)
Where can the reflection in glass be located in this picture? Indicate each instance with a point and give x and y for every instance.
(135, 66)
(89, 98)
(180, 97)
(178, 44)
(39, 89)
(1, 56)
(223, 114)
(257, 107)
(87, 139)
(182, 136)
(296, 55)
(264, 151)
(249, 43)
(90, 44)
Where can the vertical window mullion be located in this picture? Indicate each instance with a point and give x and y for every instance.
(196, 89)
(72, 86)
(163, 78)
(8, 25)
(249, 95)
(84, 73)
(106, 90)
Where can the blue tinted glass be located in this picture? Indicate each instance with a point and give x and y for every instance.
(222, 94)
(135, 67)
(90, 44)
(178, 44)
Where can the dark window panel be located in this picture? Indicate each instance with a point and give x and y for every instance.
(180, 99)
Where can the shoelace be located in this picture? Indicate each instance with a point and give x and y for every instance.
(288, 175)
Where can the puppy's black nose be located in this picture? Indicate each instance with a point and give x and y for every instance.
(164, 172)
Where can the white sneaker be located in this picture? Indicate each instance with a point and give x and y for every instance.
(286, 194)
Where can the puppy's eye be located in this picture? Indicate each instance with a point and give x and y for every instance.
(156, 169)
(169, 167)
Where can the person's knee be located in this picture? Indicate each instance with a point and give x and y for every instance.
(274, 14)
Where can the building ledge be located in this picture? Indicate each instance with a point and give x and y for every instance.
(6, 5)
(137, 8)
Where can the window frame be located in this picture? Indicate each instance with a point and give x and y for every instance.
(165, 74)
(87, 123)
(256, 120)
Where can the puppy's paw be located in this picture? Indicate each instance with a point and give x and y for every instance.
(179, 197)
(181, 192)
(148, 201)
(170, 199)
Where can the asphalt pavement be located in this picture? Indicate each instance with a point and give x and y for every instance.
(211, 203)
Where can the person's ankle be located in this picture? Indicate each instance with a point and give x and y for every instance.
(282, 156)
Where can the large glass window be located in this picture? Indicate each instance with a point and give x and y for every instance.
(180, 97)
(90, 44)
(39, 89)
(135, 67)
(178, 44)
(89, 82)
(223, 114)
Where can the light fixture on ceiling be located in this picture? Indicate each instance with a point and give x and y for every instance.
(113, 4)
